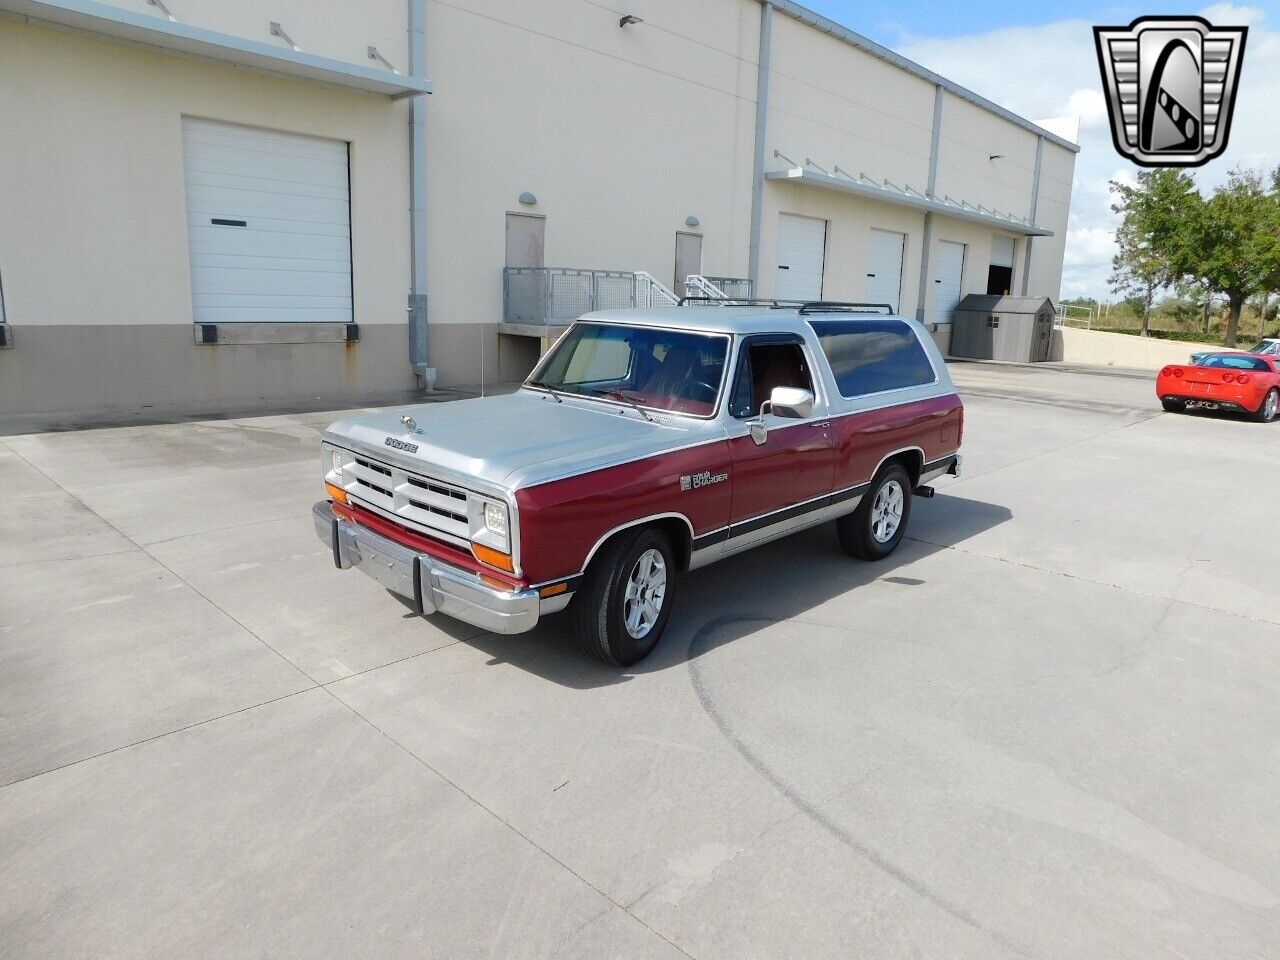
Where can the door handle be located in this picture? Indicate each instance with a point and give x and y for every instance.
(824, 424)
(870, 274)
(783, 266)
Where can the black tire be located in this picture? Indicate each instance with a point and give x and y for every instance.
(857, 535)
(600, 606)
(1173, 406)
(1269, 407)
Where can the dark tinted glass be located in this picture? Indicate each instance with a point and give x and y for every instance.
(872, 355)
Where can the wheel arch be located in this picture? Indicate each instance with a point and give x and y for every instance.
(911, 458)
(676, 526)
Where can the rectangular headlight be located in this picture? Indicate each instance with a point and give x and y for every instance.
(333, 461)
(495, 518)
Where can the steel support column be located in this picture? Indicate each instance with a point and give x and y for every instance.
(1035, 197)
(927, 238)
(762, 117)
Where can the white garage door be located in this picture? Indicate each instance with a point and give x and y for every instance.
(269, 222)
(948, 270)
(802, 243)
(884, 267)
(1002, 252)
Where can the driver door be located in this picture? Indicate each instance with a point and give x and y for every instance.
(773, 481)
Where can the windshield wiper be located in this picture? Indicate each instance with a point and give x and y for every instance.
(621, 396)
(545, 386)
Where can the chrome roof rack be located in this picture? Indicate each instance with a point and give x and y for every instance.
(844, 306)
(700, 301)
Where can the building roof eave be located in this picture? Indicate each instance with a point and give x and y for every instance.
(901, 198)
(182, 38)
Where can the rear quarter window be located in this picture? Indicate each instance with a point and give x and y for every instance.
(872, 355)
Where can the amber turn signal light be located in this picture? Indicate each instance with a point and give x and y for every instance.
(553, 590)
(336, 492)
(493, 558)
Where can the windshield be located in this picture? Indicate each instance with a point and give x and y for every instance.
(670, 370)
(1233, 361)
(1268, 347)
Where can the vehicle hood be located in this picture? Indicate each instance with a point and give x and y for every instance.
(514, 440)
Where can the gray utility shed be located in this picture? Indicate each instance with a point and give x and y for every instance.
(992, 327)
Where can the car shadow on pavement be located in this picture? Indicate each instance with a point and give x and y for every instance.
(737, 596)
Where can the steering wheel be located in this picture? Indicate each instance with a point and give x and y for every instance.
(707, 391)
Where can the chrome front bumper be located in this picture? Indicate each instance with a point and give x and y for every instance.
(432, 585)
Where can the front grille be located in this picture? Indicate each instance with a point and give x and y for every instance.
(428, 505)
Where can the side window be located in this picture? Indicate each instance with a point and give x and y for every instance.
(763, 366)
(873, 355)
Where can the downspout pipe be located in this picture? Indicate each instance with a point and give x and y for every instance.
(762, 117)
(417, 306)
(1035, 198)
(927, 240)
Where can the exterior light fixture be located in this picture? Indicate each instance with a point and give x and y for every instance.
(691, 221)
(528, 199)
(629, 19)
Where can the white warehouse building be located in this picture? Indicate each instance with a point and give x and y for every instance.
(209, 207)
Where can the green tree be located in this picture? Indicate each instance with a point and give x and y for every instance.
(1235, 244)
(1154, 242)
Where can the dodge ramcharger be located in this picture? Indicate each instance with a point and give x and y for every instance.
(645, 444)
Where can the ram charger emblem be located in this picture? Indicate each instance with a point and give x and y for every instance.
(703, 479)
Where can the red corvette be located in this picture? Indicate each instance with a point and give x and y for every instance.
(1242, 382)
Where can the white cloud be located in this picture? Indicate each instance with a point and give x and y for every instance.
(1052, 70)
(1089, 105)
(1233, 15)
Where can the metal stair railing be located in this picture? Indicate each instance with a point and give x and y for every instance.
(650, 292)
(722, 290)
(696, 285)
(734, 288)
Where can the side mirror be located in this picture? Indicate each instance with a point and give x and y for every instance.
(791, 402)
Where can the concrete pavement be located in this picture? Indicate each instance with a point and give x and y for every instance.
(1044, 728)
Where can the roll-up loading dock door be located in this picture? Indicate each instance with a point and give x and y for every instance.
(269, 225)
(948, 272)
(884, 268)
(802, 245)
(1000, 272)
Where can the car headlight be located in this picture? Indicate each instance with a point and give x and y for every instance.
(495, 518)
(333, 461)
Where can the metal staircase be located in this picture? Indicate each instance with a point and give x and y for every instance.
(650, 292)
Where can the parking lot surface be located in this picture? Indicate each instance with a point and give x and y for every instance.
(1046, 727)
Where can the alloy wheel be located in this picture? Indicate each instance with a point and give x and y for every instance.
(646, 588)
(886, 511)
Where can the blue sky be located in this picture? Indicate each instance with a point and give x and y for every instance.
(893, 22)
(1045, 66)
